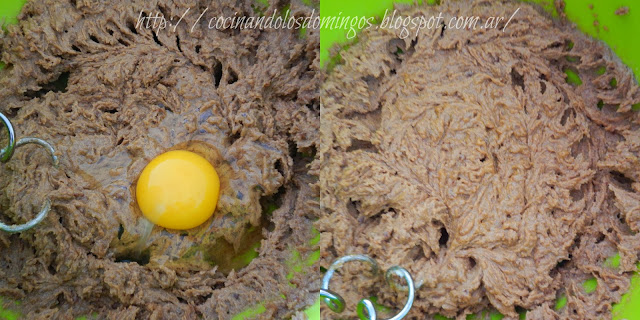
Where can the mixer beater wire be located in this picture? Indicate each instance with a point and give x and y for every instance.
(365, 308)
(5, 155)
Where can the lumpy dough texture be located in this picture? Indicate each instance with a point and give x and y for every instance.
(111, 95)
(467, 158)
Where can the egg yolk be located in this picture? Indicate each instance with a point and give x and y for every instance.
(178, 190)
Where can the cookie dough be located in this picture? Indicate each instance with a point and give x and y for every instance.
(472, 159)
(110, 95)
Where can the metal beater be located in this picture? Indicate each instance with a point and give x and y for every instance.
(365, 308)
(5, 155)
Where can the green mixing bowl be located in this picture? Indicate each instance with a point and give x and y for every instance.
(618, 34)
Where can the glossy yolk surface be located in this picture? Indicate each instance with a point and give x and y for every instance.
(178, 190)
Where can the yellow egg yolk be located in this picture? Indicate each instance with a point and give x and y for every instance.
(178, 190)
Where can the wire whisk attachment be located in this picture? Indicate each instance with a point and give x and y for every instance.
(365, 308)
(5, 155)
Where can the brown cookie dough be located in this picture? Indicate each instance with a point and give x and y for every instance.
(110, 97)
(622, 11)
(466, 157)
